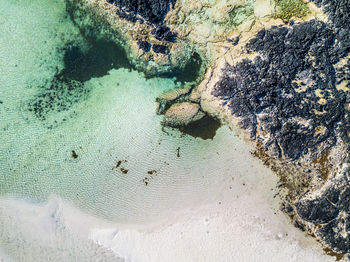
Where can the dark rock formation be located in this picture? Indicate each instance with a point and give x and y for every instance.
(153, 12)
(163, 33)
(293, 99)
(144, 45)
(160, 49)
(277, 91)
(329, 209)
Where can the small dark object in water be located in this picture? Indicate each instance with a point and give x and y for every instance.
(124, 171)
(118, 164)
(74, 154)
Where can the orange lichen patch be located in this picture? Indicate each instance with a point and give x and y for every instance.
(324, 164)
(330, 252)
(320, 130)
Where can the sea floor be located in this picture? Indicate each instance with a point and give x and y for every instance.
(87, 173)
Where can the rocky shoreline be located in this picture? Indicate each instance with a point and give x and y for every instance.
(278, 75)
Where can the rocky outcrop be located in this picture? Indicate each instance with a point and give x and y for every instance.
(182, 114)
(289, 90)
(177, 95)
(325, 212)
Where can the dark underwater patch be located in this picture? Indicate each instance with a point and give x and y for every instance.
(204, 128)
(102, 56)
(67, 86)
(189, 73)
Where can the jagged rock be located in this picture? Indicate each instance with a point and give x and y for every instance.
(160, 49)
(329, 208)
(144, 45)
(264, 93)
(153, 11)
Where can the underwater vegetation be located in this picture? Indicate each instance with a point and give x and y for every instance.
(79, 66)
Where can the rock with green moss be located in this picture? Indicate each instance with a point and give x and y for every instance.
(287, 9)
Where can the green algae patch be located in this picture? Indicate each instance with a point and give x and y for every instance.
(286, 9)
(239, 14)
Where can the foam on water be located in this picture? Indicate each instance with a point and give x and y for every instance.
(103, 152)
